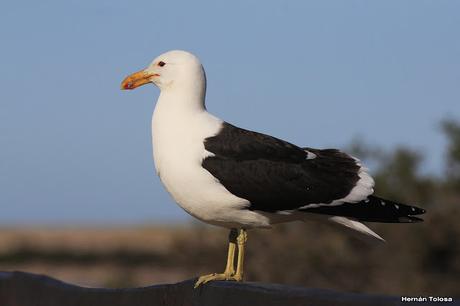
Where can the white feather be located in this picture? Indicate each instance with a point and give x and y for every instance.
(356, 226)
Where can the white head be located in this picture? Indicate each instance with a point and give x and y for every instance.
(171, 71)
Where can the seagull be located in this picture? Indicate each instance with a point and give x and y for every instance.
(240, 179)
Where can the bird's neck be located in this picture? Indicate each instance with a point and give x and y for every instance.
(180, 101)
(177, 109)
(180, 122)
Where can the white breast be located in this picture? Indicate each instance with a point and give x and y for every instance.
(178, 134)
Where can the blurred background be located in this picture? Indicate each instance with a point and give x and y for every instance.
(79, 199)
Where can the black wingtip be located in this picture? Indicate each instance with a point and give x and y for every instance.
(374, 209)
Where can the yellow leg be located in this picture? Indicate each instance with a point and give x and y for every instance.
(229, 268)
(241, 240)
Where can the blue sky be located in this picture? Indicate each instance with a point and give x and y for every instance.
(76, 149)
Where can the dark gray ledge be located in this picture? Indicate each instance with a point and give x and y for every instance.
(25, 289)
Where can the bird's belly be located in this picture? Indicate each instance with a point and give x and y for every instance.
(200, 194)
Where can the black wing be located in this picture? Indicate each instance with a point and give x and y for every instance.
(274, 175)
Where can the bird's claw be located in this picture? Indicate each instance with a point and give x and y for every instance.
(217, 277)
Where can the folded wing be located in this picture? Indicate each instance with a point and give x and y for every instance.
(277, 176)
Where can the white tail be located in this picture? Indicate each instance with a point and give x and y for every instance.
(356, 226)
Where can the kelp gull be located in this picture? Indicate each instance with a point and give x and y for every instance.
(239, 179)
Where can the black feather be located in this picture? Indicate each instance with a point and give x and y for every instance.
(374, 209)
(274, 175)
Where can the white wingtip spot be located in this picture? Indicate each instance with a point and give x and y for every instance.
(413, 209)
(396, 206)
(383, 203)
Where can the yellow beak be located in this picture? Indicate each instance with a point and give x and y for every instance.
(137, 79)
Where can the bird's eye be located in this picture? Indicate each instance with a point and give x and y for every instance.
(161, 64)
